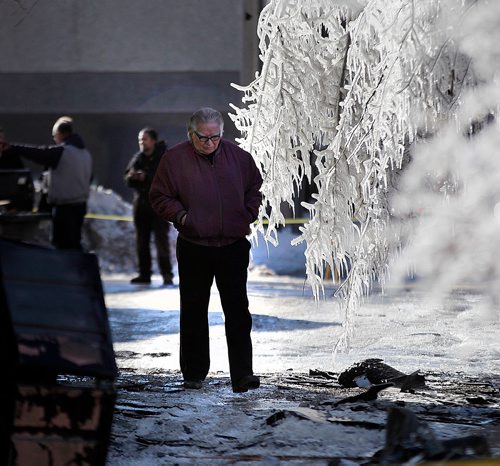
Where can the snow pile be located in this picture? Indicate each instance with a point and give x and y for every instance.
(282, 259)
(113, 240)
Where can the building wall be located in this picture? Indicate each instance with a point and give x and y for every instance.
(122, 35)
(119, 65)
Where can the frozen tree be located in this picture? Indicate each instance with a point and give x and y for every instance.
(454, 180)
(372, 103)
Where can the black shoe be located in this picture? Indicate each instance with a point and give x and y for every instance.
(248, 382)
(141, 280)
(167, 280)
(193, 384)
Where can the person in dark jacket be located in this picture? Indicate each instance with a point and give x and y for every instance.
(139, 175)
(69, 166)
(210, 189)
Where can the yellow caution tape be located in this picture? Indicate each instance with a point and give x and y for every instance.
(468, 462)
(125, 218)
(120, 218)
(291, 221)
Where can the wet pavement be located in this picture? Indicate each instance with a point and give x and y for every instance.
(290, 330)
(293, 418)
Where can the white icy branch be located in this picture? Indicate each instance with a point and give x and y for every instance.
(340, 100)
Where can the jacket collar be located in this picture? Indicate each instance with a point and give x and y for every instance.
(212, 154)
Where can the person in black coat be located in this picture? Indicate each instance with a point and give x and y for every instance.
(139, 175)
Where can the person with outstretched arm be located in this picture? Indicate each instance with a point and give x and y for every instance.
(69, 166)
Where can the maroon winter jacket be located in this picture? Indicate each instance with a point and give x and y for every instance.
(221, 199)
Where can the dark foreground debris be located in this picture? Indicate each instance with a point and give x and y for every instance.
(410, 440)
(375, 372)
(370, 395)
(292, 420)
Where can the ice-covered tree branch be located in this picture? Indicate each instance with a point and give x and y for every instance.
(341, 101)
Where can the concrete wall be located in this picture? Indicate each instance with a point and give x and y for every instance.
(121, 35)
(119, 65)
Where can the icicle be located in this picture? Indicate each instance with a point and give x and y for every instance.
(354, 98)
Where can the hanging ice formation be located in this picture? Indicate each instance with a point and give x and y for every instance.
(343, 93)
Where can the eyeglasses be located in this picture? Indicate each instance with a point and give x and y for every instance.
(205, 139)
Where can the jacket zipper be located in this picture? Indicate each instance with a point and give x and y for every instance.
(214, 178)
(219, 197)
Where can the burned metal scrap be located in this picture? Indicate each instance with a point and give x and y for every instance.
(374, 371)
(410, 439)
(53, 326)
(370, 395)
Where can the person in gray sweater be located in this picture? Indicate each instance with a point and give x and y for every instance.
(69, 166)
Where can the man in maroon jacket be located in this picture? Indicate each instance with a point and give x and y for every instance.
(210, 189)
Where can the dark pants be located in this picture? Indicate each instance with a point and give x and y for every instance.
(198, 266)
(146, 221)
(67, 222)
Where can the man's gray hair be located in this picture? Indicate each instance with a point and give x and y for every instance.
(204, 115)
(63, 125)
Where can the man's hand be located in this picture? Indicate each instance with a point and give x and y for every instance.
(138, 175)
